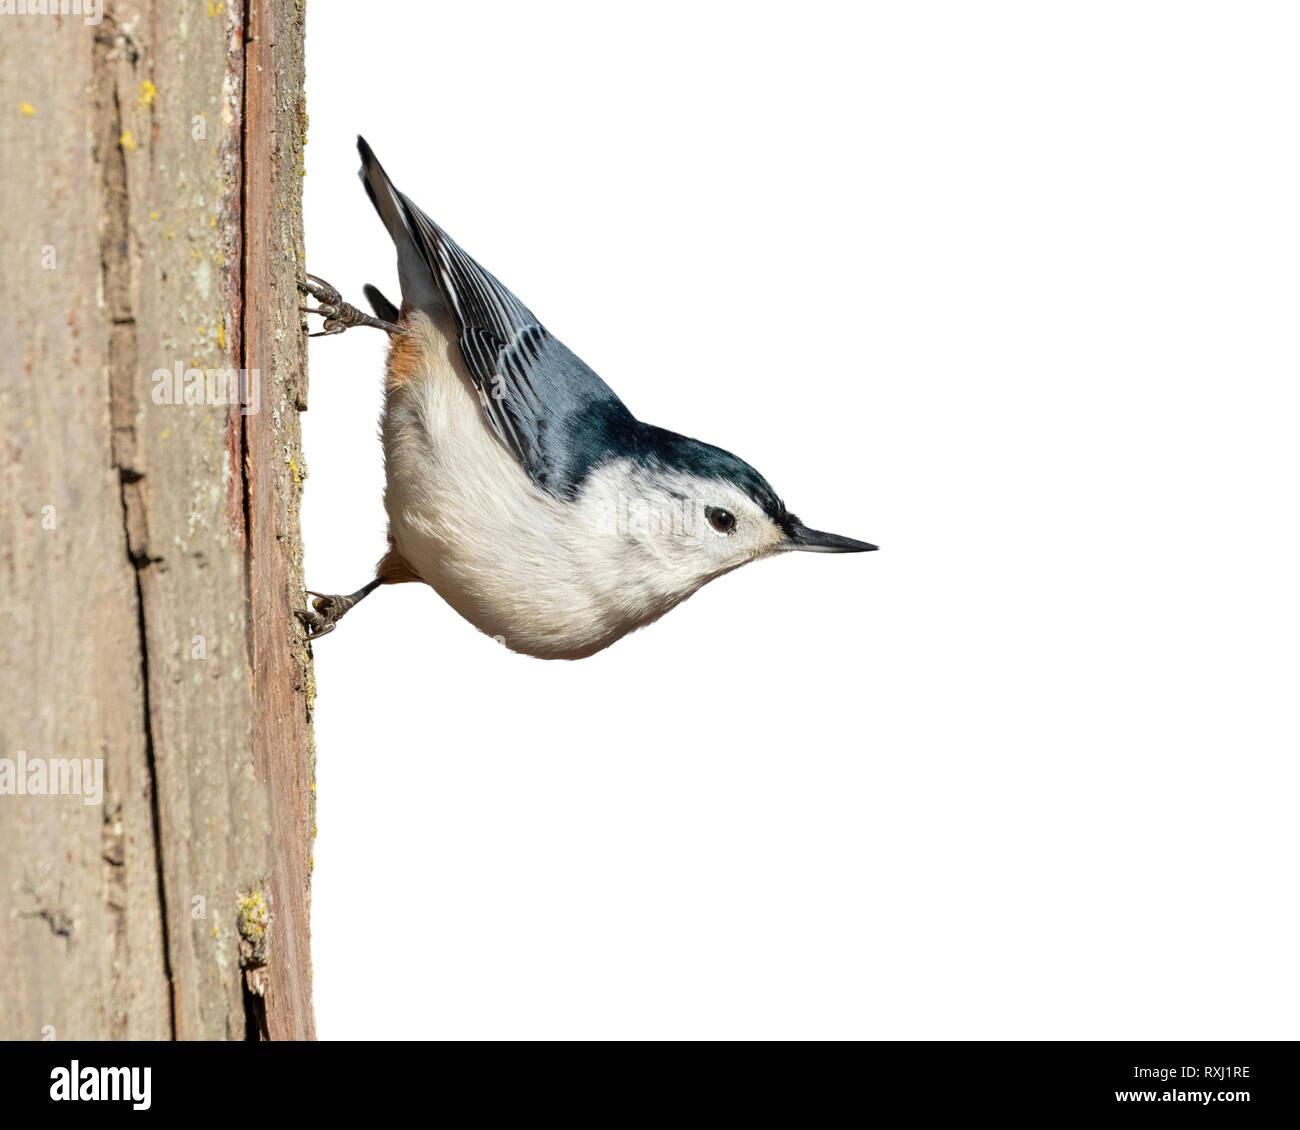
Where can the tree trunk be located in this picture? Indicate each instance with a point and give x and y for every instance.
(151, 227)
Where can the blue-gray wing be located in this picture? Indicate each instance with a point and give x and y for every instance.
(547, 407)
(535, 392)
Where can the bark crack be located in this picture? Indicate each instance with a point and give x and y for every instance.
(118, 287)
(254, 984)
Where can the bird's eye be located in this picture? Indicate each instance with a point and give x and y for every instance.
(724, 521)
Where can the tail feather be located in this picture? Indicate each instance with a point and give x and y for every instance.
(382, 307)
(419, 288)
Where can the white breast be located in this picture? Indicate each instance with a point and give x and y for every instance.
(551, 578)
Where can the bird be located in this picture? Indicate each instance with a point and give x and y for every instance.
(517, 484)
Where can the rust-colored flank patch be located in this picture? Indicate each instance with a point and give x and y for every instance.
(393, 569)
(403, 357)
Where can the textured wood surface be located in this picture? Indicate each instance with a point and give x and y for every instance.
(275, 132)
(150, 218)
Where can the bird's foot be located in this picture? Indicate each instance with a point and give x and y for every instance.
(339, 315)
(325, 613)
(326, 610)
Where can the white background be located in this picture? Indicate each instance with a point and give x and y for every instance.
(1009, 289)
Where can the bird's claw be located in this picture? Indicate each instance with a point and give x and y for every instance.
(339, 315)
(325, 613)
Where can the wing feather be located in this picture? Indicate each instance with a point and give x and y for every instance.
(541, 401)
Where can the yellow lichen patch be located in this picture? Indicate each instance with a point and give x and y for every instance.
(27, 109)
(127, 140)
(254, 916)
(221, 335)
(154, 214)
(147, 93)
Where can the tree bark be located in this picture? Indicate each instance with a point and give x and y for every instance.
(150, 220)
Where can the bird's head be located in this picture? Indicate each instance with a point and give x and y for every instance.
(685, 512)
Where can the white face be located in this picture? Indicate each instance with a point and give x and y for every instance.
(683, 529)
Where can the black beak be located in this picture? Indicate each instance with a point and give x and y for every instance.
(819, 541)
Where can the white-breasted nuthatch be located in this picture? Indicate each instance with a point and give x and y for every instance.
(518, 485)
